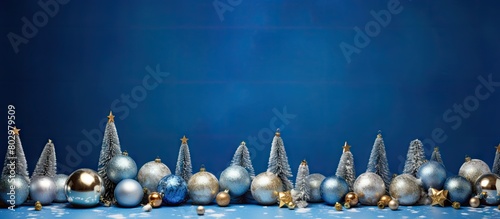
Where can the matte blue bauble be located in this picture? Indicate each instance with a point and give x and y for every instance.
(60, 180)
(17, 196)
(128, 193)
(236, 179)
(459, 189)
(333, 189)
(432, 174)
(174, 189)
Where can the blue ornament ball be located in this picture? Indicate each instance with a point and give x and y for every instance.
(128, 193)
(333, 189)
(121, 167)
(236, 179)
(60, 180)
(459, 189)
(174, 189)
(17, 196)
(432, 174)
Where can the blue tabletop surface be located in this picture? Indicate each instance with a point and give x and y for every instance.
(250, 211)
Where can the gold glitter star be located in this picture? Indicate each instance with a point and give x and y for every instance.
(284, 198)
(16, 130)
(438, 197)
(346, 147)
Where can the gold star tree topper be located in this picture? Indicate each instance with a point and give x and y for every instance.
(111, 117)
(285, 198)
(184, 140)
(346, 147)
(16, 130)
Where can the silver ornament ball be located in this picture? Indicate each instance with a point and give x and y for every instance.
(43, 189)
(151, 173)
(236, 179)
(121, 167)
(18, 195)
(128, 193)
(203, 187)
(432, 174)
(370, 188)
(84, 188)
(60, 181)
(333, 188)
(473, 169)
(265, 188)
(406, 189)
(314, 180)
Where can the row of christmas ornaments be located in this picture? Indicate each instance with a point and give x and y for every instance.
(109, 167)
(84, 187)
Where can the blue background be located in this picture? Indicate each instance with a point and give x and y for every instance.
(227, 76)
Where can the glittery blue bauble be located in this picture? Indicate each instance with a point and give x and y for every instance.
(121, 167)
(43, 189)
(174, 189)
(17, 196)
(333, 189)
(60, 180)
(128, 193)
(432, 174)
(236, 179)
(459, 189)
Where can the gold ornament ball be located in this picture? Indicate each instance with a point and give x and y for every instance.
(393, 204)
(338, 206)
(223, 199)
(155, 199)
(347, 205)
(352, 198)
(200, 210)
(385, 199)
(455, 205)
(474, 202)
(380, 204)
(291, 205)
(38, 206)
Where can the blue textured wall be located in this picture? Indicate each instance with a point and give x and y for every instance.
(235, 74)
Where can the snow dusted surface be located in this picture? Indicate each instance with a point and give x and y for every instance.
(314, 211)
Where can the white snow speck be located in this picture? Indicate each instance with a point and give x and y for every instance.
(414, 212)
(278, 216)
(230, 209)
(216, 215)
(303, 210)
(116, 216)
(241, 206)
(380, 216)
(422, 216)
(465, 214)
(209, 211)
(98, 211)
(142, 214)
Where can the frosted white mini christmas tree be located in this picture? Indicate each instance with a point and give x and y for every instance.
(496, 164)
(378, 161)
(302, 188)
(436, 156)
(110, 148)
(15, 158)
(278, 162)
(46, 165)
(414, 158)
(345, 169)
(242, 158)
(184, 168)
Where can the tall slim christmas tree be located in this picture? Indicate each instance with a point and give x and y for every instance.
(378, 161)
(184, 168)
(345, 169)
(436, 156)
(278, 162)
(302, 188)
(15, 158)
(46, 165)
(496, 164)
(414, 158)
(110, 148)
(242, 158)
